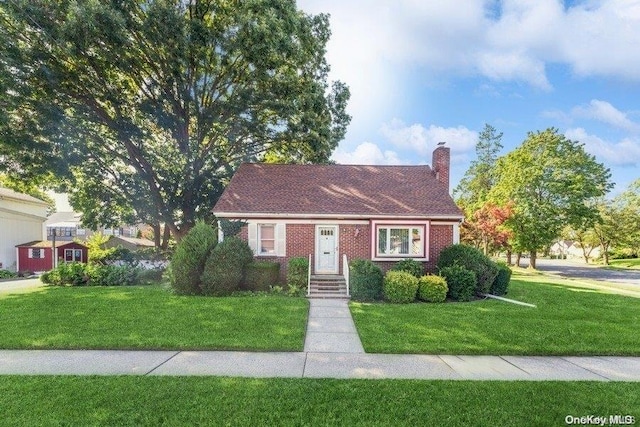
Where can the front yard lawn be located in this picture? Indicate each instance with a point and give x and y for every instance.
(149, 317)
(180, 401)
(567, 321)
(633, 264)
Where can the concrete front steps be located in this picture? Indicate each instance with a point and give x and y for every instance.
(328, 286)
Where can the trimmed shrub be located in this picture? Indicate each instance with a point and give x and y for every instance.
(261, 275)
(112, 275)
(225, 267)
(297, 271)
(501, 282)
(461, 282)
(471, 259)
(365, 280)
(410, 266)
(6, 274)
(432, 289)
(67, 273)
(400, 287)
(188, 261)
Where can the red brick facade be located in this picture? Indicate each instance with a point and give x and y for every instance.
(354, 241)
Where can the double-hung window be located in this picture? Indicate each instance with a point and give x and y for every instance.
(399, 241)
(266, 239)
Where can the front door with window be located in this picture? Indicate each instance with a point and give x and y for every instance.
(326, 249)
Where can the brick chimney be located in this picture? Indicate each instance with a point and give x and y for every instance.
(440, 163)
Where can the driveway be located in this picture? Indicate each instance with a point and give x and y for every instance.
(577, 270)
(20, 285)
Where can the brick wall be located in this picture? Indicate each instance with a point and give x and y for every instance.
(354, 241)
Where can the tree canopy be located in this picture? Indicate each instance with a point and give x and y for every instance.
(143, 109)
(552, 182)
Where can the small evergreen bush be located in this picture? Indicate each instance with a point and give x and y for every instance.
(471, 259)
(410, 266)
(67, 273)
(297, 271)
(400, 287)
(262, 275)
(432, 289)
(6, 274)
(461, 282)
(225, 267)
(113, 275)
(501, 282)
(188, 261)
(365, 280)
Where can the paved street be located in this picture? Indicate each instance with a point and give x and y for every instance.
(20, 285)
(580, 270)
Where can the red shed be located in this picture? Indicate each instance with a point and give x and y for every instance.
(36, 256)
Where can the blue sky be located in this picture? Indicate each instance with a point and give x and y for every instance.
(423, 71)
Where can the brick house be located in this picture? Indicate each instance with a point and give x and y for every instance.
(381, 213)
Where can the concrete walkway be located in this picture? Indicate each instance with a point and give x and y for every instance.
(332, 349)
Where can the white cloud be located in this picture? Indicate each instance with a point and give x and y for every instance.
(510, 40)
(623, 153)
(366, 153)
(424, 140)
(606, 113)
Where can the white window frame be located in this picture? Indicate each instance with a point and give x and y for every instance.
(423, 226)
(280, 234)
(260, 238)
(40, 253)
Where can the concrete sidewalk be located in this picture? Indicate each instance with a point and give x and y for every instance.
(332, 349)
(317, 365)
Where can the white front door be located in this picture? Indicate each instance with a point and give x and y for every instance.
(327, 249)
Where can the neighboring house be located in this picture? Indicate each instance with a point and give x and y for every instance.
(68, 227)
(21, 218)
(36, 256)
(381, 213)
(131, 243)
(560, 248)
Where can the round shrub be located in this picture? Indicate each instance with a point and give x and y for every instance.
(461, 282)
(225, 267)
(261, 275)
(473, 260)
(432, 289)
(365, 280)
(400, 287)
(297, 272)
(501, 282)
(187, 263)
(411, 266)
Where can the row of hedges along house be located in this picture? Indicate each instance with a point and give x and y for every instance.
(381, 213)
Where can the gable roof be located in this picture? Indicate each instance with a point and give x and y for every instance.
(340, 190)
(6, 193)
(134, 241)
(48, 244)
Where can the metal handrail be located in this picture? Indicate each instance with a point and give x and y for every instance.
(309, 277)
(345, 272)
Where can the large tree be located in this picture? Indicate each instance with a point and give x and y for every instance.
(143, 108)
(471, 193)
(552, 182)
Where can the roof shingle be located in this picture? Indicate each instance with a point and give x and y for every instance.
(336, 190)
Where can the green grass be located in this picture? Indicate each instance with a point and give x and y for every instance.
(149, 318)
(181, 401)
(567, 321)
(633, 264)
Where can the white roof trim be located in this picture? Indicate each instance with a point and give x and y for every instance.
(246, 215)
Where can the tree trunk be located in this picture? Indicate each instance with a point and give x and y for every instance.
(532, 259)
(166, 235)
(509, 258)
(518, 256)
(156, 235)
(605, 254)
(485, 246)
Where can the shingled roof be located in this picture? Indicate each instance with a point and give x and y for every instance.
(340, 190)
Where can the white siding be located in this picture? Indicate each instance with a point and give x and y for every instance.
(16, 229)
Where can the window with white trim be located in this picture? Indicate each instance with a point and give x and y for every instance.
(395, 241)
(266, 239)
(35, 253)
